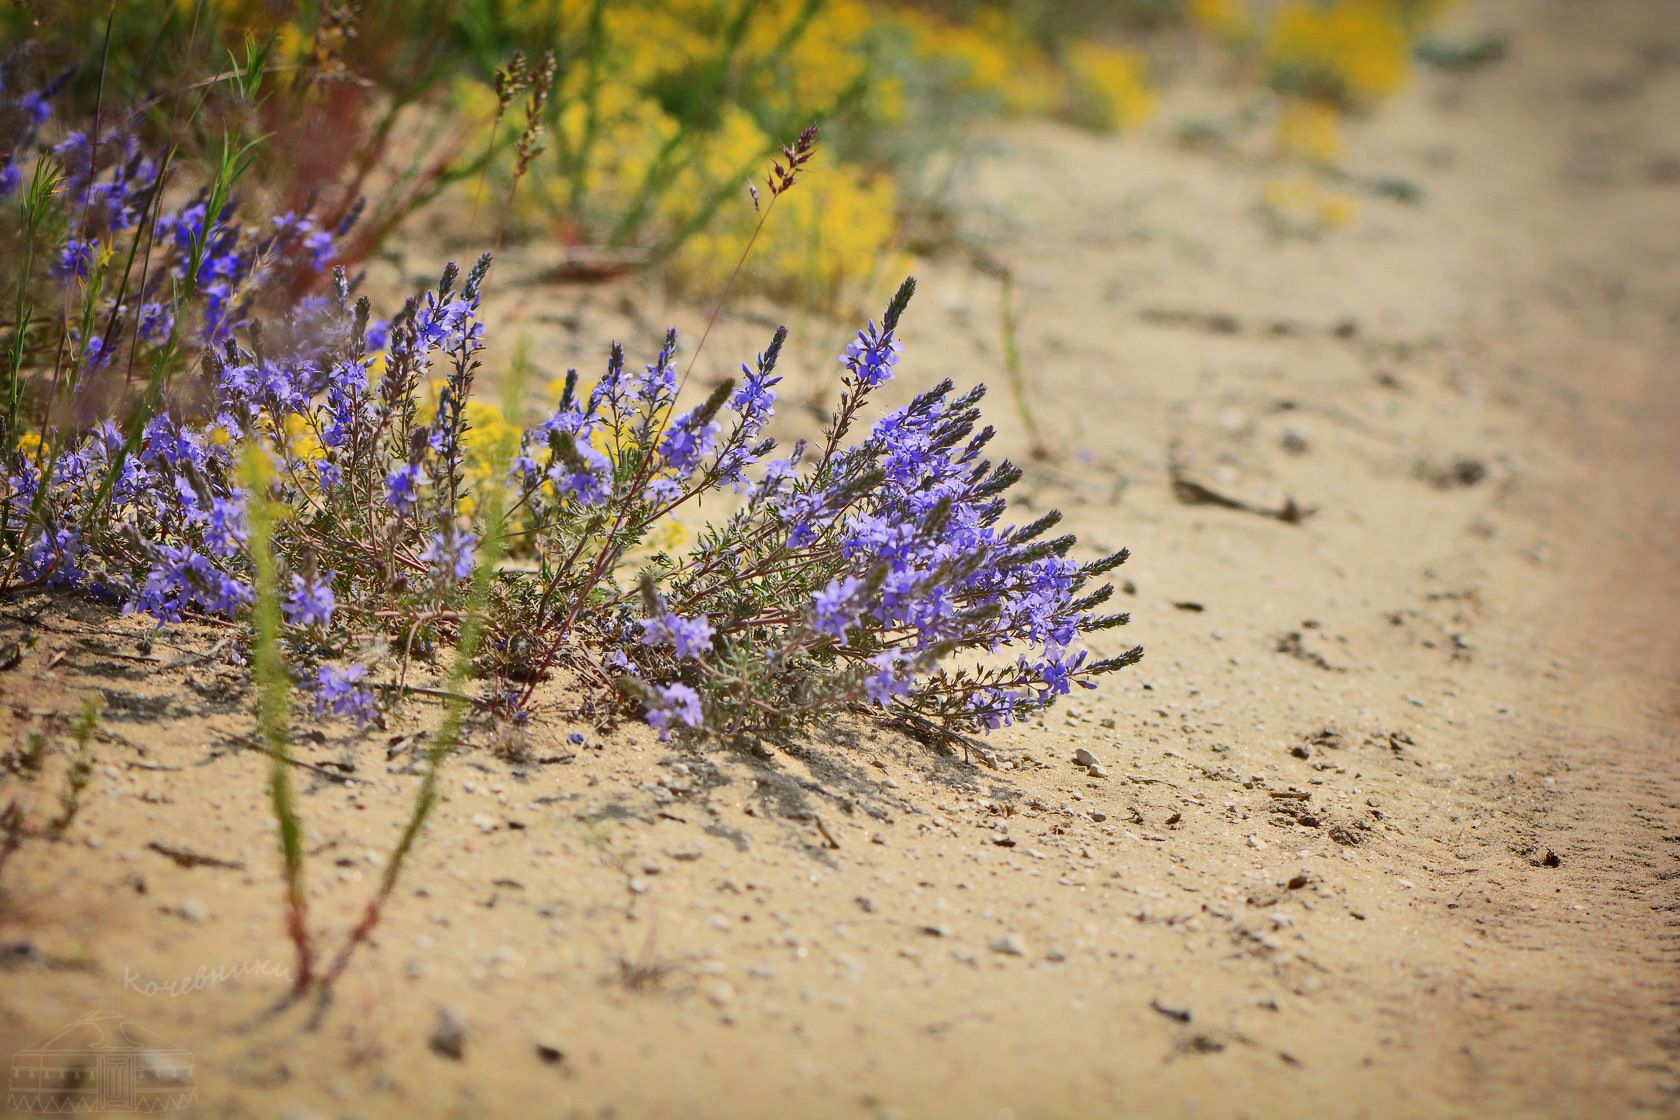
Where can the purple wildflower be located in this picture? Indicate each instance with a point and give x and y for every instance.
(686, 443)
(834, 610)
(337, 692)
(691, 637)
(674, 704)
(181, 579)
(225, 530)
(451, 556)
(402, 486)
(888, 680)
(76, 258)
(756, 396)
(311, 601)
(587, 480)
(870, 357)
(35, 107)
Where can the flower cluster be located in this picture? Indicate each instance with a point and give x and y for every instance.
(857, 568)
(853, 574)
(337, 692)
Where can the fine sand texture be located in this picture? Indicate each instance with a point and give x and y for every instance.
(1390, 820)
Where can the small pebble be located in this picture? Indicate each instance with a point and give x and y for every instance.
(1010, 944)
(449, 1035)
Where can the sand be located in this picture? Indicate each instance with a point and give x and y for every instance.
(1391, 820)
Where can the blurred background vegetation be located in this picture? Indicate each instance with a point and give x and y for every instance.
(663, 110)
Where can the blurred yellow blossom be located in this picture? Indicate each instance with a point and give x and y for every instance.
(1110, 85)
(1303, 206)
(836, 228)
(1310, 131)
(1224, 19)
(1355, 51)
(29, 444)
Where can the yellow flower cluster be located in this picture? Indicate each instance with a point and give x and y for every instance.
(1310, 131)
(1223, 19)
(1329, 57)
(644, 162)
(30, 445)
(1303, 206)
(257, 17)
(1352, 51)
(1110, 85)
(992, 55)
(828, 238)
(666, 109)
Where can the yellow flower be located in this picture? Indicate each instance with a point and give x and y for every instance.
(1337, 210)
(1110, 85)
(994, 54)
(31, 443)
(1309, 131)
(301, 439)
(1356, 51)
(1224, 19)
(668, 536)
(826, 237)
(1304, 207)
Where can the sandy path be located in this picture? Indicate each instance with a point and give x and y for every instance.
(1316, 880)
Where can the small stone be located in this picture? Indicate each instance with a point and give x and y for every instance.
(22, 951)
(1055, 955)
(637, 885)
(1256, 843)
(1179, 1014)
(193, 910)
(1097, 770)
(550, 1053)
(1098, 815)
(1083, 757)
(1010, 944)
(449, 1035)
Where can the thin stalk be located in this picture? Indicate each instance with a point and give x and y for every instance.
(273, 705)
(1013, 365)
(456, 704)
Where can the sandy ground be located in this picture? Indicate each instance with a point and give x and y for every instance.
(1392, 820)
